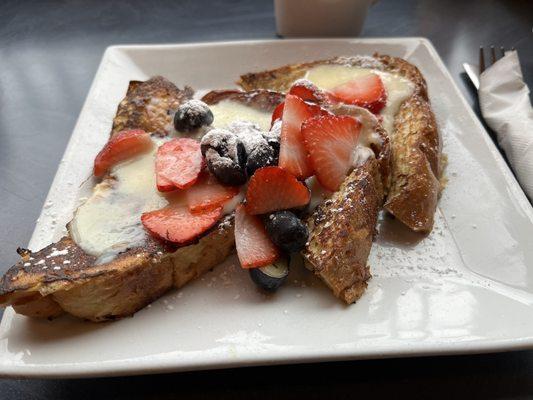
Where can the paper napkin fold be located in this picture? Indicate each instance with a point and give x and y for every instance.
(506, 107)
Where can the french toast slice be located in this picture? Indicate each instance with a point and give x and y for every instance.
(62, 277)
(416, 146)
(341, 229)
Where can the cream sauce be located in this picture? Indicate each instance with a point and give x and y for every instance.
(228, 111)
(398, 88)
(109, 222)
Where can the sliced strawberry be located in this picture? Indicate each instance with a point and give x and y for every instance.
(367, 91)
(207, 194)
(293, 155)
(278, 113)
(178, 164)
(176, 224)
(123, 145)
(273, 189)
(254, 247)
(307, 91)
(163, 184)
(331, 141)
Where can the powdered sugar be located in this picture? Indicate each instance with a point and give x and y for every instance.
(360, 61)
(219, 162)
(56, 253)
(249, 134)
(218, 139)
(194, 107)
(305, 83)
(275, 131)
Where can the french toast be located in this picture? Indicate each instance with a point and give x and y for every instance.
(415, 142)
(342, 228)
(398, 165)
(63, 277)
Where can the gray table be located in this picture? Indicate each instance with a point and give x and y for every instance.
(49, 52)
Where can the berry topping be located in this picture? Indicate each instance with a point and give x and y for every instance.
(225, 156)
(367, 91)
(292, 154)
(273, 136)
(331, 141)
(254, 247)
(287, 231)
(207, 194)
(249, 134)
(178, 164)
(278, 113)
(307, 91)
(225, 169)
(123, 145)
(273, 189)
(225, 143)
(263, 155)
(192, 115)
(271, 276)
(239, 150)
(176, 224)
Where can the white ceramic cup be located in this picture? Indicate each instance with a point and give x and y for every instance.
(320, 17)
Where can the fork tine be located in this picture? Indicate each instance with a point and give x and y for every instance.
(502, 50)
(481, 60)
(492, 54)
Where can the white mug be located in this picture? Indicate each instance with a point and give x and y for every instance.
(320, 17)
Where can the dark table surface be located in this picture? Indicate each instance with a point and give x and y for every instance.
(49, 52)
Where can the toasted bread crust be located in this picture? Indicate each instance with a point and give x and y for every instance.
(38, 306)
(150, 106)
(416, 166)
(281, 79)
(265, 100)
(129, 286)
(190, 262)
(414, 188)
(341, 232)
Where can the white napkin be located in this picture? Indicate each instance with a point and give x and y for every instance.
(505, 105)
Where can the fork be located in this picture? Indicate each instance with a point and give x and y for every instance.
(473, 71)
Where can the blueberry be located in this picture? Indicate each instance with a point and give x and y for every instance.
(192, 115)
(225, 169)
(263, 155)
(225, 156)
(226, 144)
(272, 276)
(287, 231)
(272, 139)
(274, 143)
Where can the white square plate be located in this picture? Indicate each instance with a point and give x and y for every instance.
(466, 288)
